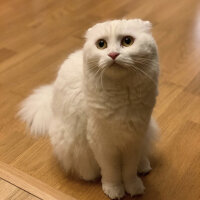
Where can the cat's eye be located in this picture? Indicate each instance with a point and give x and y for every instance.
(127, 41)
(101, 44)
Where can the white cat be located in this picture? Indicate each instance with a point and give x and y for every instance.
(98, 111)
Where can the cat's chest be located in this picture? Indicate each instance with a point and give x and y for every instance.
(121, 104)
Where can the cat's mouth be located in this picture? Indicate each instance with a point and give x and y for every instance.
(117, 65)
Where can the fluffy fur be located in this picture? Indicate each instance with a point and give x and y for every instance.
(98, 111)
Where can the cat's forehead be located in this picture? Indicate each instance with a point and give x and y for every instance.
(118, 27)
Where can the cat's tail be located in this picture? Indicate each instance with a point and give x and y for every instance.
(36, 110)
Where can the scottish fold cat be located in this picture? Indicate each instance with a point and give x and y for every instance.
(98, 111)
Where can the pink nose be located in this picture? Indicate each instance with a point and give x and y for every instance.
(113, 55)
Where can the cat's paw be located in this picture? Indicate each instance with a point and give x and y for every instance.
(135, 187)
(144, 167)
(144, 170)
(113, 191)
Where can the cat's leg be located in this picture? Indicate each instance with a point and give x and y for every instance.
(73, 151)
(111, 172)
(109, 161)
(107, 156)
(84, 162)
(133, 184)
(76, 156)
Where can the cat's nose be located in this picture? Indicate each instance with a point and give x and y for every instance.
(113, 55)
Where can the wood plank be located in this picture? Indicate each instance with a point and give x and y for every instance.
(11, 192)
(30, 184)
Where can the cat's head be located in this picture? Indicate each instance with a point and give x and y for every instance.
(118, 47)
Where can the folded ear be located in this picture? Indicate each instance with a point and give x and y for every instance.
(148, 26)
(145, 26)
(87, 33)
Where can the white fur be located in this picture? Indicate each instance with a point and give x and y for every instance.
(36, 110)
(98, 112)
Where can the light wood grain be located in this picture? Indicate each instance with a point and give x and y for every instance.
(11, 192)
(35, 38)
(30, 184)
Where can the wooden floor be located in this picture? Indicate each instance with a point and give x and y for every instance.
(9, 191)
(37, 35)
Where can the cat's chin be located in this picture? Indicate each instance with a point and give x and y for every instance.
(116, 71)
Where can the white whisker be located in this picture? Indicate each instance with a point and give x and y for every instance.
(145, 74)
